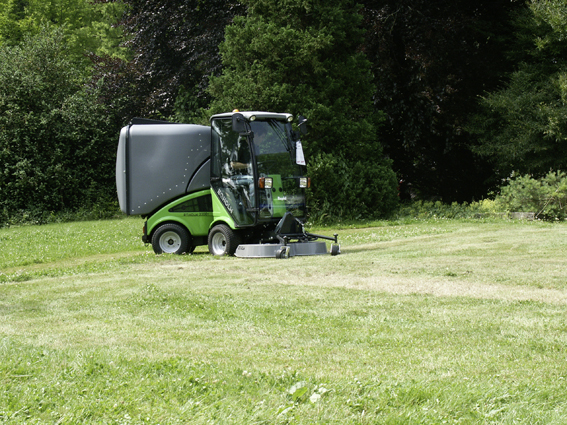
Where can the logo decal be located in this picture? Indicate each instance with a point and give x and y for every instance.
(224, 201)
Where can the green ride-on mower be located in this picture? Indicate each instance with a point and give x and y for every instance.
(237, 186)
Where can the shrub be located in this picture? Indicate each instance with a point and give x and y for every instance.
(343, 189)
(546, 196)
(439, 210)
(57, 144)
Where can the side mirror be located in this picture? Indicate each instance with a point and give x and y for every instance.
(239, 123)
(302, 124)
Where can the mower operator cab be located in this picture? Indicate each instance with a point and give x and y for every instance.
(257, 167)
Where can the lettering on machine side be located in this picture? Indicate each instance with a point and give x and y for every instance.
(224, 201)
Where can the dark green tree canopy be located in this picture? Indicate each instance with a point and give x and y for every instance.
(431, 61)
(302, 58)
(175, 46)
(523, 126)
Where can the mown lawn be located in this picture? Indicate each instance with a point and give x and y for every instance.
(420, 322)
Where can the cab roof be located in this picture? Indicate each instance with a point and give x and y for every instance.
(258, 114)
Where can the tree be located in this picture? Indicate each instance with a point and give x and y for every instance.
(303, 57)
(431, 61)
(175, 46)
(87, 25)
(523, 125)
(57, 144)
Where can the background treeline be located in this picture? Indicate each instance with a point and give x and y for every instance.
(408, 99)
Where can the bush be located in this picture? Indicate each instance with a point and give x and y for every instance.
(101, 210)
(57, 144)
(438, 210)
(352, 191)
(546, 196)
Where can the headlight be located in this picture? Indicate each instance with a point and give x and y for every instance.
(265, 182)
(252, 118)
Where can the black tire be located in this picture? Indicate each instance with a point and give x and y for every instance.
(335, 249)
(171, 238)
(223, 240)
(283, 252)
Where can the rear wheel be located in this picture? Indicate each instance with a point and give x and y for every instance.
(171, 238)
(223, 240)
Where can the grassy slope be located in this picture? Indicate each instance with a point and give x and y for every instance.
(422, 322)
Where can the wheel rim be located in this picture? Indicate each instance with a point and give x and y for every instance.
(170, 242)
(218, 244)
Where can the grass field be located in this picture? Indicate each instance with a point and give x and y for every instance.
(416, 322)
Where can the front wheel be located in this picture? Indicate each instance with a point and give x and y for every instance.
(171, 238)
(335, 249)
(223, 240)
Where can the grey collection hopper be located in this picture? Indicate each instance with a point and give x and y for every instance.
(158, 162)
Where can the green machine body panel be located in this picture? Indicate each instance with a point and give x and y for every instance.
(194, 211)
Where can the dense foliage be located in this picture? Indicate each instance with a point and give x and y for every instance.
(452, 95)
(56, 142)
(523, 126)
(546, 197)
(86, 25)
(304, 58)
(431, 61)
(175, 49)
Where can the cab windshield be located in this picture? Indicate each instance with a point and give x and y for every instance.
(242, 164)
(275, 155)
